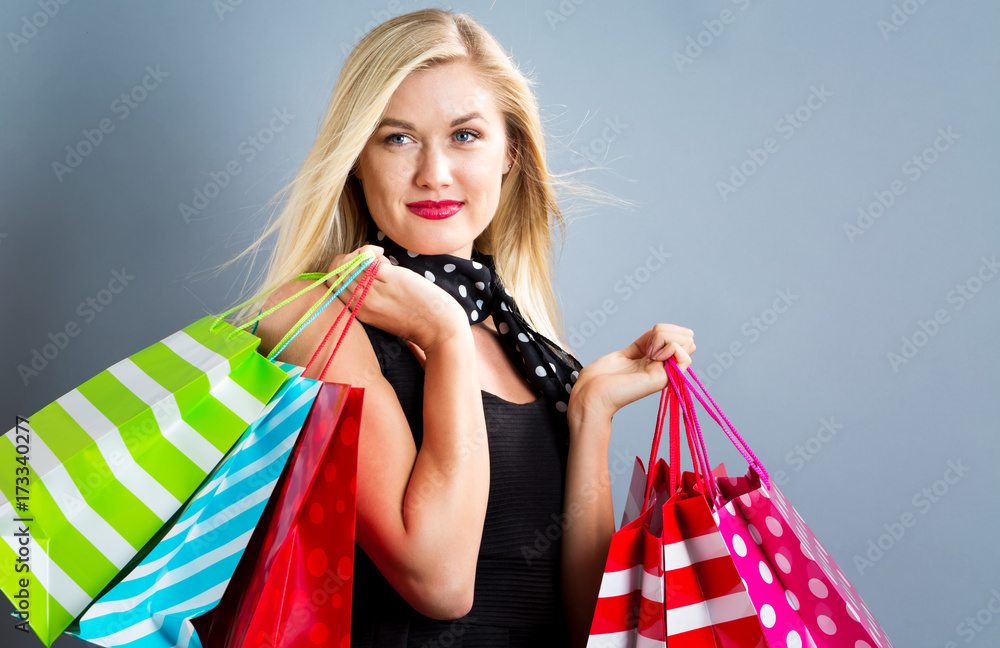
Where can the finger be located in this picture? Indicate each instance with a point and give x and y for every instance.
(662, 334)
(675, 350)
(342, 278)
(418, 352)
(378, 251)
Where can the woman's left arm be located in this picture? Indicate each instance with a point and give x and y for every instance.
(602, 388)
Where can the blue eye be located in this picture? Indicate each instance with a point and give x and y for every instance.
(391, 141)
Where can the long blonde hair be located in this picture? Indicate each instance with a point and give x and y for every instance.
(325, 213)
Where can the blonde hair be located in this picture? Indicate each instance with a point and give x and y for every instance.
(325, 214)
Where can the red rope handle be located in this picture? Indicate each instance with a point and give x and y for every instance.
(363, 286)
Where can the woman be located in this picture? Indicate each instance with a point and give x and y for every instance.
(480, 432)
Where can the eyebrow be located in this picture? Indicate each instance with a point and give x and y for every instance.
(398, 123)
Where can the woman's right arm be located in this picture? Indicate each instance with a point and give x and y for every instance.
(419, 515)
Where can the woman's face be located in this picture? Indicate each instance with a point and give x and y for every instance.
(442, 139)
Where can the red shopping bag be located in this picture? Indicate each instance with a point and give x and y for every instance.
(294, 586)
(297, 590)
(669, 576)
(801, 596)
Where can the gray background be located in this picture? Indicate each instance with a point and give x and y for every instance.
(678, 130)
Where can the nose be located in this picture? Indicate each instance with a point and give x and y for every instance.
(434, 168)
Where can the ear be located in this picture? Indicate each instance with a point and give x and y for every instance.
(508, 161)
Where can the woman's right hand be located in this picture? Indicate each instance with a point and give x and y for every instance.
(403, 303)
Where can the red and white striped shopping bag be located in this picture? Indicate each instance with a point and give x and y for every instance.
(670, 577)
(669, 574)
(706, 602)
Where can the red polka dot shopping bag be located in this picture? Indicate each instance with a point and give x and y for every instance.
(293, 587)
(801, 596)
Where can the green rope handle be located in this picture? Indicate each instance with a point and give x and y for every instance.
(312, 313)
(364, 258)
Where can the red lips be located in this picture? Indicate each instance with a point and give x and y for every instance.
(435, 210)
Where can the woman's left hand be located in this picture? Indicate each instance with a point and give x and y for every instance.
(622, 377)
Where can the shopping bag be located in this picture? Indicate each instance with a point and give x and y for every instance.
(296, 590)
(103, 468)
(294, 585)
(107, 464)
(668, 575)
(801, 596)
(187, 570)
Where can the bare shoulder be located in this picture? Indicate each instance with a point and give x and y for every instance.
(273, 327)
(355, 361)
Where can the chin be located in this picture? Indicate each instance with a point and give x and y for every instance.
(444, 238)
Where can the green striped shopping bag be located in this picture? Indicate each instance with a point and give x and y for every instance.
(90, 478)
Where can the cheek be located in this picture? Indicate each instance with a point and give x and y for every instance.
(483, 177)
(384, 179)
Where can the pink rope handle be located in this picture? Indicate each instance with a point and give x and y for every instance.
(741, 445)
(683, 406)
(695, 439)
(738, 441)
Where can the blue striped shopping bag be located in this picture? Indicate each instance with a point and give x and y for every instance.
(186, 572)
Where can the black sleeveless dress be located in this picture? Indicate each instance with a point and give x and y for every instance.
(517, 600)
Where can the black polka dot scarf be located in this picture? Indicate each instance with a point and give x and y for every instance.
(475, 285)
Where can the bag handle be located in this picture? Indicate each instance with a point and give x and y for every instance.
(363, 286)
(716, 413)
(671, 399)
(340, 284)
(363, 260)
(673, 445)
(695, 440)
(703, 469)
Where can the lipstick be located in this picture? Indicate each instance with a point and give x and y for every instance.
(435, 210)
